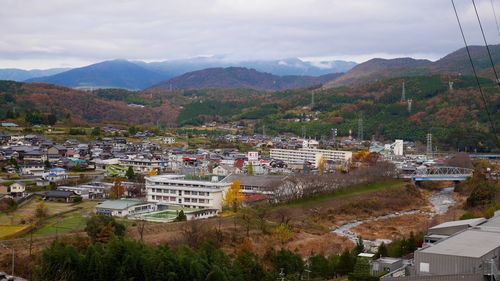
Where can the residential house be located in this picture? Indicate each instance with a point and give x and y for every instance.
(32, 169)
(55, 175)
(17, 189)
(225, 170)
(60, 196)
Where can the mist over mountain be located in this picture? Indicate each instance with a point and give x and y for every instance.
(138, 75)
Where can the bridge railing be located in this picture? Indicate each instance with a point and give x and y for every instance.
(444, 171)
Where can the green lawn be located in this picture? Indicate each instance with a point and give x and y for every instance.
(70, 222)
(349, 192)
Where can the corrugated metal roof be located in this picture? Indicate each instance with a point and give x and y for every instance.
(119, 204)
(469, 222)
(470, 243)
(494, 221)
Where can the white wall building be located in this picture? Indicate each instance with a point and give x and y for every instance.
(124, 208)
(32, 169)
(177, 191)
(143, 166)
(312, 155)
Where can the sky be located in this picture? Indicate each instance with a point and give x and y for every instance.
(62, 33)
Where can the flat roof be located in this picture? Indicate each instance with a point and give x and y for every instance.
(469, 222)
(388, 260)
(119, 204)
(473, 243)
(181, 179)
(494, 221)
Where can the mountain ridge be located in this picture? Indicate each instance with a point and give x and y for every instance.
(241, 78)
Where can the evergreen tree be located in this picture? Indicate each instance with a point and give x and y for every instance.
(130, 173)
(362, 271)
(181, 216)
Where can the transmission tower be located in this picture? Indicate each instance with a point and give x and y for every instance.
(403, 93)
(429, 144)
(360, 128)
(312, 99)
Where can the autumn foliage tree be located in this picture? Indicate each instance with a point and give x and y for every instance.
(321, 165)
(117, 190)
(234, 197)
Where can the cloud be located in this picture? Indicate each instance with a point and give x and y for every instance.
(55, 33)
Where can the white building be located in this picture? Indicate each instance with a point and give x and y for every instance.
(312, 155)
(32, 169)
(144, 166)
(168, 140)
(124, 208)
(17, 189)
(55, 174)
(177, 191)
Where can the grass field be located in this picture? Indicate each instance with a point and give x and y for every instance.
(349, 192)
(69, 222)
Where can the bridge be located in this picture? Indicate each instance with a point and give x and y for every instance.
(441, 173)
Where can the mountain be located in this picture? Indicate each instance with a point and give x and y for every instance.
(81, 107)
(107, 74)
(455, 63)
(16, 74)
(376, 69)
(289, 66)
(241, 78)
(458, 61)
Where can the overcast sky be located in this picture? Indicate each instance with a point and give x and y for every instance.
(63, 33)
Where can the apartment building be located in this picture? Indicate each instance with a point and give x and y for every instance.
(312, 155)
(143, 165)
(175, 190)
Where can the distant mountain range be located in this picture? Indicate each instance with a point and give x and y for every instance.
(138, 75)
(455, 63)
(242, 78)
(16, 74)
(108, 74)
(217, 72)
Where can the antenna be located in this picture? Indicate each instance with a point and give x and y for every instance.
(303, 132)
(312, 99)
(409, 105)
(403, 94)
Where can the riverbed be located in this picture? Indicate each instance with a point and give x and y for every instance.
(440, 201)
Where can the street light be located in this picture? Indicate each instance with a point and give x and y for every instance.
(13, 257)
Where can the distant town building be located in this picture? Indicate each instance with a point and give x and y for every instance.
(311, 155)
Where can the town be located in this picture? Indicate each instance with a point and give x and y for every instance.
(152, 178)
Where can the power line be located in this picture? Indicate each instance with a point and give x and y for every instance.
(495, 15)
(486, 43)
(474, 71)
